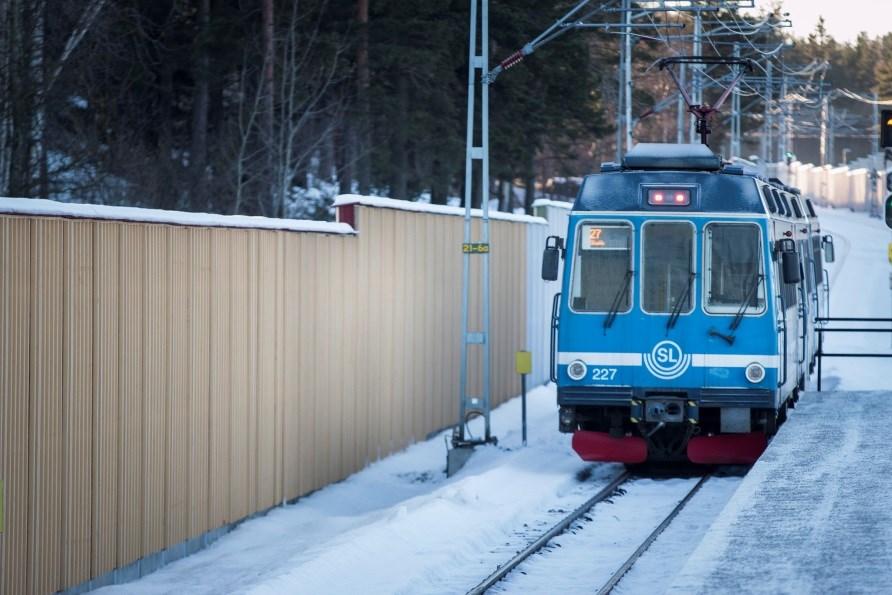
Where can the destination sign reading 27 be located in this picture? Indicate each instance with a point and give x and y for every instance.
(605, 237)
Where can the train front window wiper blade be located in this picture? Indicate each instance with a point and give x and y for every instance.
(750, 293)
(614, 308)
(676, 309)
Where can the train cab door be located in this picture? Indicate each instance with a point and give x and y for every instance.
(804, 290)
(814, 290)
(788, 323)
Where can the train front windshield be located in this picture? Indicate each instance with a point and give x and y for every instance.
(603, 268)
(733, 262)
(668, 267)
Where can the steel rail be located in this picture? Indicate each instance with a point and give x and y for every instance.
(556, 530)
(618, 575)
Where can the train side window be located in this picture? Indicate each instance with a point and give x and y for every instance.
(780, 204)
(769, 199)
(796, 208)
(810, 207)
(602, 268)
(817, 253)
(786, 205)
(667, 266)
(790, 291)
(733, 264)
(806, 259)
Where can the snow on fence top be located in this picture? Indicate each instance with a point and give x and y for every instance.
(420, 207)
(51, 208)
(560, 204)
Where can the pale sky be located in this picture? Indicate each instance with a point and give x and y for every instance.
(844, 18)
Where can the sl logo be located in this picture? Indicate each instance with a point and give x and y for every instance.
(667, 361)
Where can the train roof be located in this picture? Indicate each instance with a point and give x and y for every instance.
(710, 191)
(717, 186)
(780, 184)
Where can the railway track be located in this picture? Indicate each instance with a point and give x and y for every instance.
(565, 523)
(630, 561)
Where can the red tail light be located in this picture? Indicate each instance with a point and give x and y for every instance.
(676, 197)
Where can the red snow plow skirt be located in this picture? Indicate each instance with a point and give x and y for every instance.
(727, 449)
(600, 446)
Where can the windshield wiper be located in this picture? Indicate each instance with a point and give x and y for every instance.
(676, 309)
(738, 318)
(757, 280)
(614, 308)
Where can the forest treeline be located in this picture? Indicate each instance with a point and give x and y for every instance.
(269, 107)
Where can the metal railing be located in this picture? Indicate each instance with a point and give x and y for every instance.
(821, 328)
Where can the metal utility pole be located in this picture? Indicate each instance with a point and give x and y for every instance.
(788, 119)
(782, 134)
(620, 95)
(831, 137)
(825, 117)
(735, 115)
(682, 108)
(627, 69)
(476, 341)
(697, 80)
(768, 122)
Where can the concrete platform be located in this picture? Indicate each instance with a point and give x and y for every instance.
(814, 515)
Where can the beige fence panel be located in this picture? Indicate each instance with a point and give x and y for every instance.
(77, 397)
(160, 381)
(106, 402)
(46, 389)
(15, 315)
(841, 187)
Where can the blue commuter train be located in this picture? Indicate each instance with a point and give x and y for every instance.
(685, 324)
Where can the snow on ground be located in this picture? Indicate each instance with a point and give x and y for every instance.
(584, 559)
(668, 554)
(859, 287)
(813, 514)
(400, 526)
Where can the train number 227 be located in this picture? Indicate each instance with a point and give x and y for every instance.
(603, 373)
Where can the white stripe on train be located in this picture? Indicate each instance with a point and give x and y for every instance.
(698, 360)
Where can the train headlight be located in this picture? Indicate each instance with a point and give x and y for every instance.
(576, 370)
(755, 373)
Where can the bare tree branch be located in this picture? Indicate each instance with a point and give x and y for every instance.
(77, 35)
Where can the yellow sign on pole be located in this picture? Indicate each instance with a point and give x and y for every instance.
(523, 362)
(890, 252)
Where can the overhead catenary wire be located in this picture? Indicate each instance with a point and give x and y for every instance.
(784, 87)
(860, 98)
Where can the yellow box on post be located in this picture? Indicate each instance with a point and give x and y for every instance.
(523, 360)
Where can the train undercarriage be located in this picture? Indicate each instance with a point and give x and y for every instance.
(672, 428)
